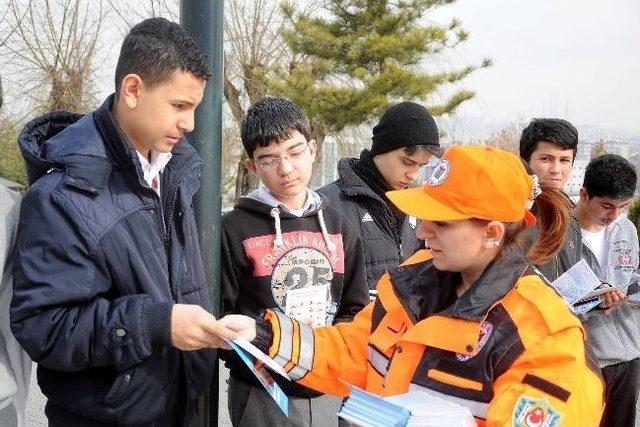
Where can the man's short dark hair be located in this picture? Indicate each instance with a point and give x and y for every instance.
(271, 119)
(435, 150)
(556, 131)
(155, 48)
(611, 176)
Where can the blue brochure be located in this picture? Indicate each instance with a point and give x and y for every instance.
(257, 367)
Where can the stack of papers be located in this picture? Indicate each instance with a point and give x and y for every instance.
(368, 410)
(428, 410)
(578, 286)
(416, 408)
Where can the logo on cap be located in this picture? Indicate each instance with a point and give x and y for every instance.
(439, 173)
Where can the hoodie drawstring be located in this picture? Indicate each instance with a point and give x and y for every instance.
(327, 239)
(278, 242)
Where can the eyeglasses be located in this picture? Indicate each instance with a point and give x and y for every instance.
(293, 156)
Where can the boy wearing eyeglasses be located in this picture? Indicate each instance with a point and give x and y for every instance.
(284, 249)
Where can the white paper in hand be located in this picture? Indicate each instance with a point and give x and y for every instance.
(576, 282)
(255, 352)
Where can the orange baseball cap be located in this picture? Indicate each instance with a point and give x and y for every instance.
(471, 182)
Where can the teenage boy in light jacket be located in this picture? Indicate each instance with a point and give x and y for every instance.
(15, 364)
(611, 248)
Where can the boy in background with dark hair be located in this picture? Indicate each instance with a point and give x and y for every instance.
(403, 141)
(611, 248)
(109, 289)
(283, 248)
(549, 146)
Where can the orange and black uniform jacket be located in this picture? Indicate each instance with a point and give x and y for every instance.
(508, 349)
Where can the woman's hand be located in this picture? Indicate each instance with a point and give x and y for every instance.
(244, 326)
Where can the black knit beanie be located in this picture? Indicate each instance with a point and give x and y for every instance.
(403, 125)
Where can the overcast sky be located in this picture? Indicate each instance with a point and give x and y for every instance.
(578, 59)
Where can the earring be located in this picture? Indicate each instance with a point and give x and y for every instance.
(490, 243)
(426, 243)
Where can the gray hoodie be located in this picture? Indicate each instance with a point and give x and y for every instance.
(15, 364)
(615, 337)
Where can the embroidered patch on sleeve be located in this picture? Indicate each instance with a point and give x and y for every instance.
(529, 412)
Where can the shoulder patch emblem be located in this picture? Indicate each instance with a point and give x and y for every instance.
(530, 412)
(485, 332)
(439, 173)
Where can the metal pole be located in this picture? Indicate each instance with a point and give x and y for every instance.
(203, 19)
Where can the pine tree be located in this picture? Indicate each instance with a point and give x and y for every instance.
(354, 58)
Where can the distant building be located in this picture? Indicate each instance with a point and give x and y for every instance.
(620, 148)
(329, 160)
(584, 150)
(574, 184)
(629, 151)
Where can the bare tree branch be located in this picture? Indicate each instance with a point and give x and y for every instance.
(53, 45)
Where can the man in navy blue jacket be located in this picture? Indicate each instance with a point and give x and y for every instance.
(109, 290)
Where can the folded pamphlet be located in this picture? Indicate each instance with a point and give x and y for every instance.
(256, 360)
(580, 287)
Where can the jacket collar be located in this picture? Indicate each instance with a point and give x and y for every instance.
(457, 327)
(351, 184)
(421, 287)
(125, 155)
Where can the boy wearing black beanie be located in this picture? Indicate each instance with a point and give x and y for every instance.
(403, 141)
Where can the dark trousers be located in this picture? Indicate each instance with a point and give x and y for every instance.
(621, 394)
(251, 406)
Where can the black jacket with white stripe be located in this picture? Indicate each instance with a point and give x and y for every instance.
(350, 195)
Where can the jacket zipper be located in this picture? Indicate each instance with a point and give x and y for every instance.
(172, 206)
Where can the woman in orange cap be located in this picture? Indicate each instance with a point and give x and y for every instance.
(469, 320)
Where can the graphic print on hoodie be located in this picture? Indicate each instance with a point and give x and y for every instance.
(299, 260)
(268, 252)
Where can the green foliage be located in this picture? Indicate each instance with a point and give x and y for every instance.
(634, 212)
(11, 162)
(356, 57)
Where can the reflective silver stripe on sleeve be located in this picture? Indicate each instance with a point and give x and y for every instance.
(307, 347)
(285, 349)
(477, 409)
(307, 344)
(379, 361)
(297, 373)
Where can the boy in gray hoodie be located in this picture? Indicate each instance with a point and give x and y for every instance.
(15, 364)
(610, 245)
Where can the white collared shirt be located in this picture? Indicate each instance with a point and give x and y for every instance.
(155, 167)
